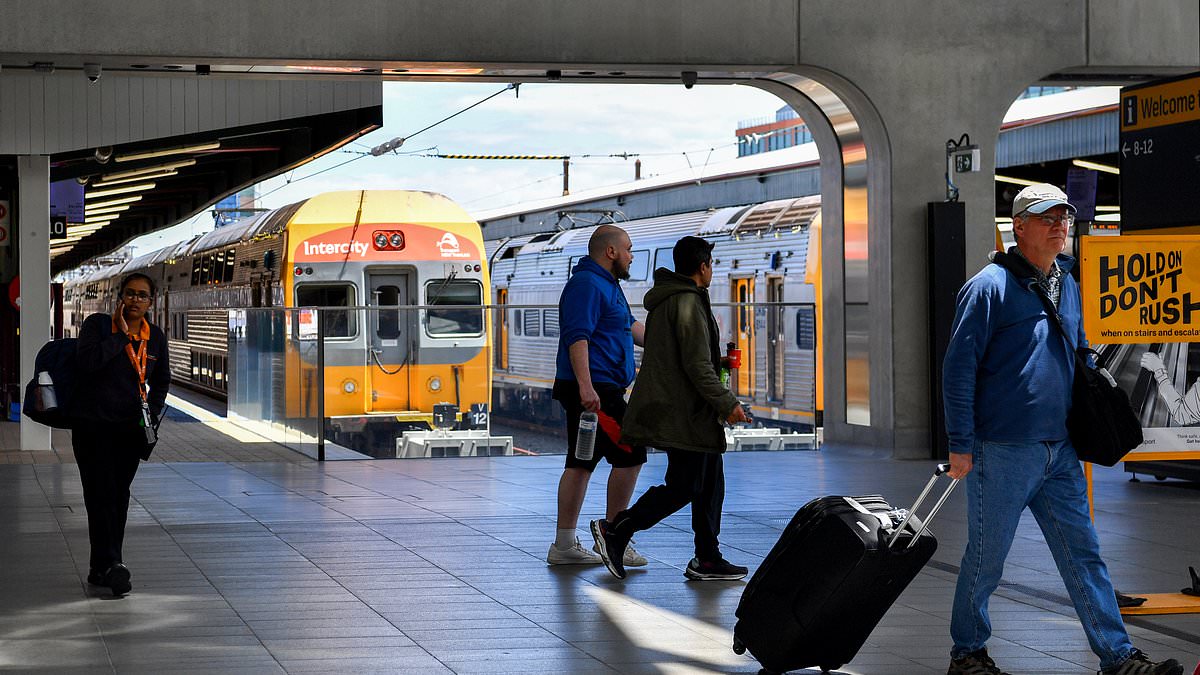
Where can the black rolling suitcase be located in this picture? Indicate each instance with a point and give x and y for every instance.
(837, 568)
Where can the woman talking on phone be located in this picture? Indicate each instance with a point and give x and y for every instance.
(120, 395)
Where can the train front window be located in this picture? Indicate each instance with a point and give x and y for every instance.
(458, 294)
(338, 323)
(389, 320)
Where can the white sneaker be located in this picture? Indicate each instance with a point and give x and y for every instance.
(575, 555)
(631, 558)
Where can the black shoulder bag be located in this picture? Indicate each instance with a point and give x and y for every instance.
(1101, 423)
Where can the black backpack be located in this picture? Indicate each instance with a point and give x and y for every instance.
(51, 404)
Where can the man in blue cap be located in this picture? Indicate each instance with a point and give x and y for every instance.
(1007, 388)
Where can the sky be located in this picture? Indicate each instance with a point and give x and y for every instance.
(670, 127)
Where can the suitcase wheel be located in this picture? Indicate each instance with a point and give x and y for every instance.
(739, 647)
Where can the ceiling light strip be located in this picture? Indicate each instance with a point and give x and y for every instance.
(130, 179)
(124, 189)
(110, 209)
(169, 166)
(110, 202)
(164, 152)
(1083, 163)
(1014, 181)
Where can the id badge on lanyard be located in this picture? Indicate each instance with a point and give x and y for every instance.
(139, 365)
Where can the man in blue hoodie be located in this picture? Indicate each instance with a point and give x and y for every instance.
(1007, 387)
(595, 365)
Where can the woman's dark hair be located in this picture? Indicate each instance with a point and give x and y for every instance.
(138, 275)
(689, 253)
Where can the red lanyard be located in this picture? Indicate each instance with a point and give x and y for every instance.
(139, 364)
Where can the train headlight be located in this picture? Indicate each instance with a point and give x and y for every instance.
(435, 383)
(349, 386)
(381, 240)
(397, 240)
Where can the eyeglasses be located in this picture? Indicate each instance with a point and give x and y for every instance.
(1050, 220)
(140, 296)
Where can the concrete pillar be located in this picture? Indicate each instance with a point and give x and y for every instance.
(33, 230)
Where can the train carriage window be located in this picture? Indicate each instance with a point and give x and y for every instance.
(229, 265)
(639, 269)
(196, 271)
(518, 326)
(806, 328)
(550, 323)
(338, 323)
(466, 294)
(662, 258)
(532, 319)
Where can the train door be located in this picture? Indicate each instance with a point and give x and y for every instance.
(775, 340)
(743, 294)
(501, 327)
(389, 339)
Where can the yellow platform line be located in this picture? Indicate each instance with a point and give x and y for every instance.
(1164, 603)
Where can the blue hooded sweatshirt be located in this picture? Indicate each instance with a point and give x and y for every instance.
(1008, 370)
(592, 307)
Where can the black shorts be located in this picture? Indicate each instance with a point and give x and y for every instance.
(612, 403)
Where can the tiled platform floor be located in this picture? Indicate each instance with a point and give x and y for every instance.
(437, 566)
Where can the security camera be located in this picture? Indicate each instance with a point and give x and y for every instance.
(92, 70)
(689, 78)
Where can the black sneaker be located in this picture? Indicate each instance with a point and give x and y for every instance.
(117, 578)
(95, 578)
(976, 663)
(1140, 664)
(611, 546)
(720, 569)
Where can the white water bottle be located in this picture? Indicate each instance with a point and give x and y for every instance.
(585, 440)
(46, 398)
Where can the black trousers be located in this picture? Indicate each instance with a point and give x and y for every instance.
(108, 456)
(696, 478)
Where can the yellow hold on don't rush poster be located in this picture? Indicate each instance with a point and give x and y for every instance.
(1141, 289)
(1141, 310)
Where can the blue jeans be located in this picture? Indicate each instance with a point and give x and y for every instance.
(1047, 478)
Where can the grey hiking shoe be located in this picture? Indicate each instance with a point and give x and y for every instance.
(1140, 664)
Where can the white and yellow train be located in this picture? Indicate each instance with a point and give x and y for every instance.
(408, 268)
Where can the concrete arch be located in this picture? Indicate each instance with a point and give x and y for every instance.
(856, 217)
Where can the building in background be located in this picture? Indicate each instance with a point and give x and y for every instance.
(236, 207)
(764, 134)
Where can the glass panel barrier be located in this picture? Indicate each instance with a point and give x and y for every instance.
(274, 377)
(408, 381)
(777, 377)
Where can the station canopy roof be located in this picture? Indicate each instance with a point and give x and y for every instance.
(136, 188)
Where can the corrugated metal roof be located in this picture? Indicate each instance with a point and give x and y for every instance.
(1067, 138)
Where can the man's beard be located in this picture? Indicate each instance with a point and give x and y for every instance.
(620, 271)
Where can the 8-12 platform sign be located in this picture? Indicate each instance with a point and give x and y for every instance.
(1160, 155)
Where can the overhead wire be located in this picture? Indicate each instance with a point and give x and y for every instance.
(409, 136)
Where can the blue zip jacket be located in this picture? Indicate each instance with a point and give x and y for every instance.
(592, 307)
(1008, 372)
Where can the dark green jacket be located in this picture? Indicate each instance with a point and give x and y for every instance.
(678, 400)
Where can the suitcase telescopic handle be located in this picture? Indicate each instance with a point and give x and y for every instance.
(938, 472)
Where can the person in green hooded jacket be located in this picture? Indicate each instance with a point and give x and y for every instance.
(678, 405)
